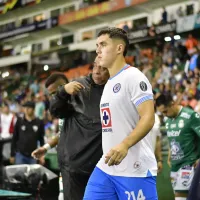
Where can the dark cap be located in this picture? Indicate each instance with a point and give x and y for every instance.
(29, 104)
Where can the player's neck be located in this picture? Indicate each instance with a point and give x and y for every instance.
(178, 110)
(116, 66)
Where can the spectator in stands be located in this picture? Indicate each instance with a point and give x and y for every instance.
(167, 53)
(79, 147)
(28, 131)
(7, 122)
(193, 60)
(39, 107)
(157, 60)
(164, 16)
(182, 52)
(126, 27)
(191, 43)
(182, 126)
(34, 87)
(180, 12)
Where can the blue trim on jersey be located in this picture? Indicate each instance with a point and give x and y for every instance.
(143, 99)
(149, 174)
(119, 71)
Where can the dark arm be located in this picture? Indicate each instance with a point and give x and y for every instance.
(41, 134)
(60, 104)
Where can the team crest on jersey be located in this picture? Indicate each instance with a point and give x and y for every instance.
(181, 124)
(143, 86)
(35, 128)
(137, 165)
(23, 128)
(117, 88)
(106, 120)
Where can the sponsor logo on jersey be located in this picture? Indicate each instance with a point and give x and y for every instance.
(143, 86)
(185, 115)
(106, 119)
(181, 124)
(185, 175)
(117, 88)
(173, 126)
(185, 183)
(173, 133)
(186, 167)
(104, 105)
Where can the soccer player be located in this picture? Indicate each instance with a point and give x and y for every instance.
(183, 129)
(80, 144)
(127, 169)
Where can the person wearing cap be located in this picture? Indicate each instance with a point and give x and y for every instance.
(28, 131)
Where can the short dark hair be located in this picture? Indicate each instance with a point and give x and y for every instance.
(55, 77)
(116, 33)
(164, 99)
(29, 104)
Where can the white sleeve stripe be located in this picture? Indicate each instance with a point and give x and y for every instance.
(143, 99)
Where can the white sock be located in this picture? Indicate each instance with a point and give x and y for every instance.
(180, 198)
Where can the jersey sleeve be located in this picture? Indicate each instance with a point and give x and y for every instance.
(140, 88)
(195, 123)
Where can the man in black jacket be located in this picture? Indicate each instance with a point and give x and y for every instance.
(27, 132)
(79, 147)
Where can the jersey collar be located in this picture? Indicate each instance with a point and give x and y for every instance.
(125, 67)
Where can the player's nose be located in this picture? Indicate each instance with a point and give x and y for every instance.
(98, 50)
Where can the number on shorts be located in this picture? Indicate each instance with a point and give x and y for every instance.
(131, 195)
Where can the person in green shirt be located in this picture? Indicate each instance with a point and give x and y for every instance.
(182, 125)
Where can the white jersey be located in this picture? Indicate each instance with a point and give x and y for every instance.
(122, 94)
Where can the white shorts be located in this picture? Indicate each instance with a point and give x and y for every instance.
(182, 179)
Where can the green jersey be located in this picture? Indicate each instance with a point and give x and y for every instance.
(183, 133)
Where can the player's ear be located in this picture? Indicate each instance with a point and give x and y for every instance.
(120, 48)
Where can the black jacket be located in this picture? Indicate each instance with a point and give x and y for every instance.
(26, 136)
(80, 144)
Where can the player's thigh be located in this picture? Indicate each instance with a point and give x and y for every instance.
(135, 188)
(182, 179)
(100, 187)
(74, 184)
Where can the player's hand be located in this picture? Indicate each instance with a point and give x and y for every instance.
(116, 154)
(38, 153)
(42, 160)
(12, 160)
(160, 166)
(73, 87)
